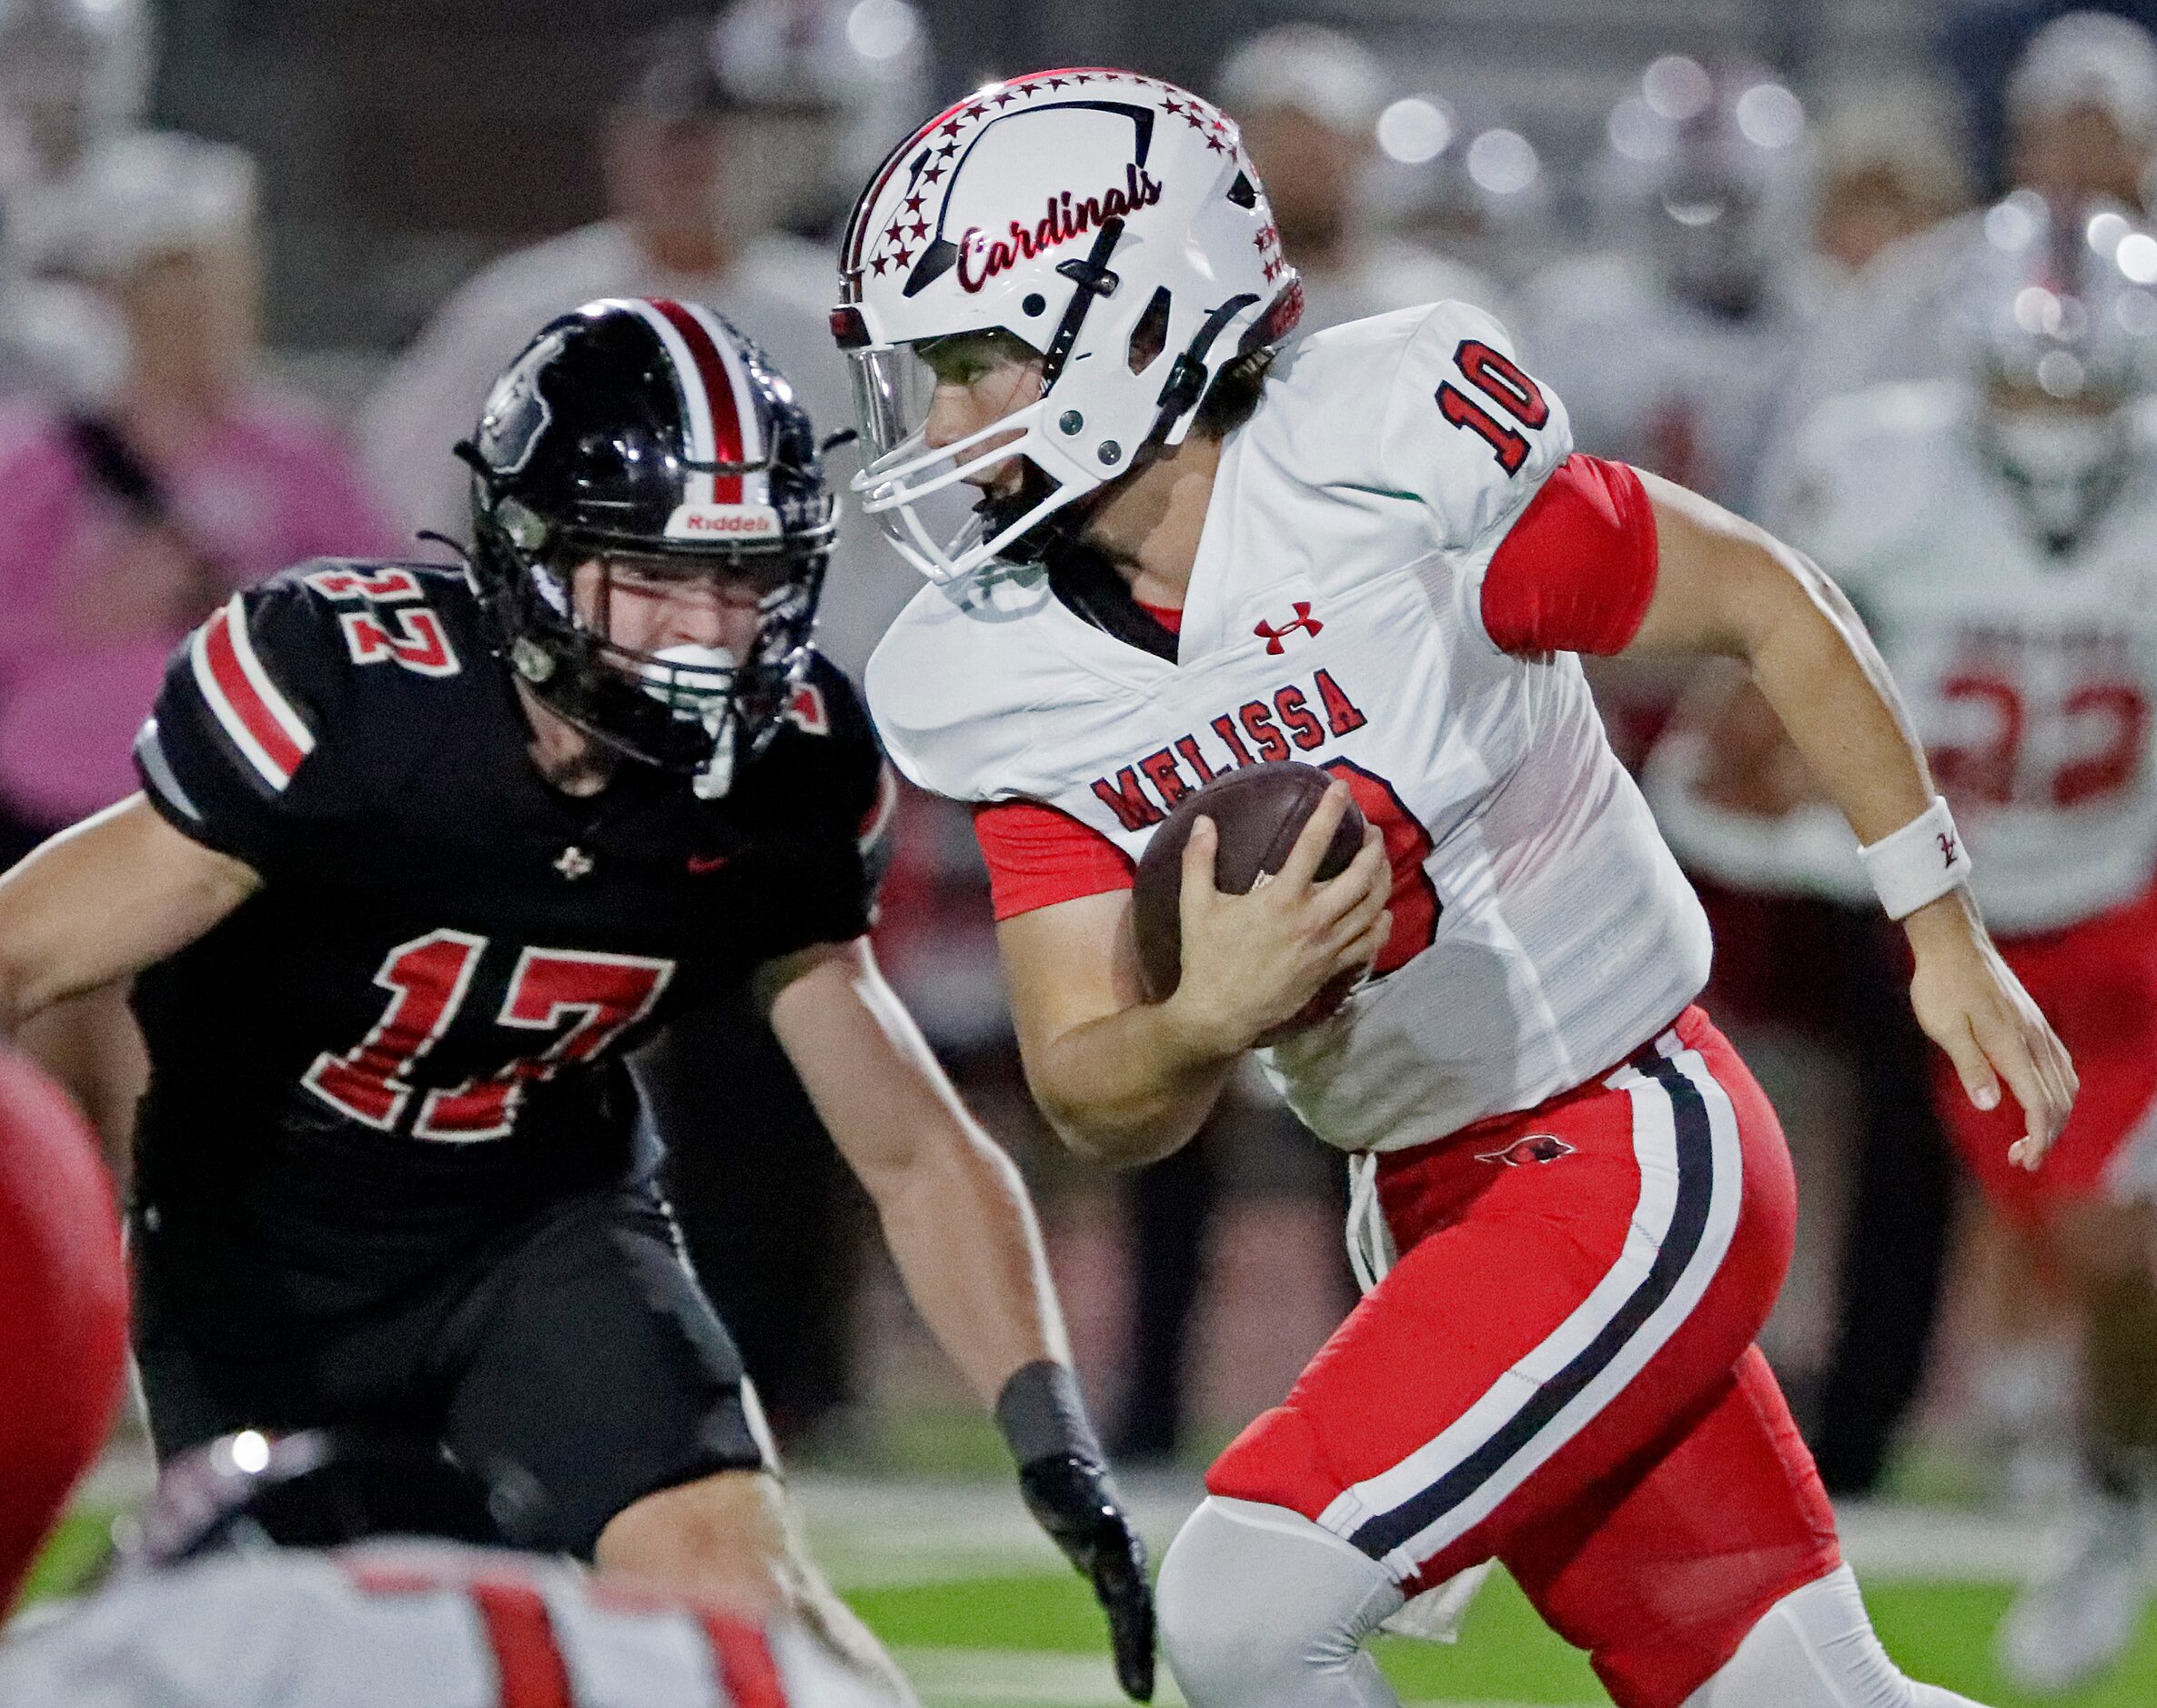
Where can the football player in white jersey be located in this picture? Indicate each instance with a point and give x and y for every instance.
(1198, 548)
(1996, 528)
(1672, 344)
(355, 1570)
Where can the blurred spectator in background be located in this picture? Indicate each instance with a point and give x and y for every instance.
(720, 128)
(1995, 527)
(833, 83)
(2081, 118)
(72, 73)
(687, 218)
(1307, 100)
(1672, 341)
(1892, 161)
(1672, 344)
(122, 527)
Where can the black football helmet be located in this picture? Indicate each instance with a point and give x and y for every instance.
(651, 437)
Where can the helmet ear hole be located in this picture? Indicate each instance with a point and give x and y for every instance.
(1242, 192)
(1149, 337)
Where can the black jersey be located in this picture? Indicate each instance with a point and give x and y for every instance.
(412, 1034)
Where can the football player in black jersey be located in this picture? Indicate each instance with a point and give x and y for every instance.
(419, 854)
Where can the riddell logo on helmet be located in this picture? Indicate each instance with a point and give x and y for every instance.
(981, 259)
(722, 521)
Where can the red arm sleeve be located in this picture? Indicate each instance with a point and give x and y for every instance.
(1575, 573)
(1038, 856)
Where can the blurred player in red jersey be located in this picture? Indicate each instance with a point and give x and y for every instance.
(1197, 547)
(63, 1327)
(1995, 528)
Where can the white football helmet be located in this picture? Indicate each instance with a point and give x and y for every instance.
(1111, 222)
(2057, 320)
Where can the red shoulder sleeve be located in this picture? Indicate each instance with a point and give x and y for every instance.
(1038, 856)
(1575, 572)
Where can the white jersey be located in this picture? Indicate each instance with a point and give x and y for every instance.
(1542, 929)
(406, 1625)
(2030, 676)
(1658, 381)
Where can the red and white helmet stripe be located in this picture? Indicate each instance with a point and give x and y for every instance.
(716, 392)
(251, 709)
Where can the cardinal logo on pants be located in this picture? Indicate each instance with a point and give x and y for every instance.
(1538, 1147)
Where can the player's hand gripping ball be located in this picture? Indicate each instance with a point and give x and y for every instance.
(1258, 813)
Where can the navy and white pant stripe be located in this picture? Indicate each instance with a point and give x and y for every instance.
(1685, 1138)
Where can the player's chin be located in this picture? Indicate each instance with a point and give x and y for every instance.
(999, 481)
(1320, 1008)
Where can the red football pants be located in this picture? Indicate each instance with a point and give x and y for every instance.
(1560, 1371)
(2096, 981)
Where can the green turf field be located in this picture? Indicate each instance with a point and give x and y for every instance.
(1940, 1631)
(973, 1634)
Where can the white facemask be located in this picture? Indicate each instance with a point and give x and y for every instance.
(713, 710)
(2062, 466)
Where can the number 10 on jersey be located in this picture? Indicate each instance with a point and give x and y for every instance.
(599, 996)
(1505, 383)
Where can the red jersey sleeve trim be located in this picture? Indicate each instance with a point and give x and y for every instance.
(1575, 572)
(1038, 856)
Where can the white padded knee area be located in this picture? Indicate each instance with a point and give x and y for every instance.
(1815, 1649)
(1261, 1608)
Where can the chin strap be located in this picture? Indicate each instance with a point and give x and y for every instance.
(1187, 378)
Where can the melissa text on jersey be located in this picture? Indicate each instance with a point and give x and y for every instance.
(1254, 733)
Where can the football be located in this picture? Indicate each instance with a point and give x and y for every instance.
(1259, 812)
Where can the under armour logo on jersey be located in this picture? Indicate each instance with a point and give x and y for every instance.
(574, 863)
(1947, 848)
(1274, 637)
(1538, 1147)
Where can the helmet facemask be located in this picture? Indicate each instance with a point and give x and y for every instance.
(684, 706)
(2063, 465)
(905, 475)
(2058, 324)
(642, 449)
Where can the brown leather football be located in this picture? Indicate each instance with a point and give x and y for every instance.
(1258, 813)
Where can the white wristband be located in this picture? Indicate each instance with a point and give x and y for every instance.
(1918, 863)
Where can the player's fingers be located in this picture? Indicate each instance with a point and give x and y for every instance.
(1316, 836)
(1360, 887)
(2052, 1072)
(1356, 953)
(1120, 1585)
(1979, 1084)
(1352, 921)
(2008, 1053)
(1198, 888)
